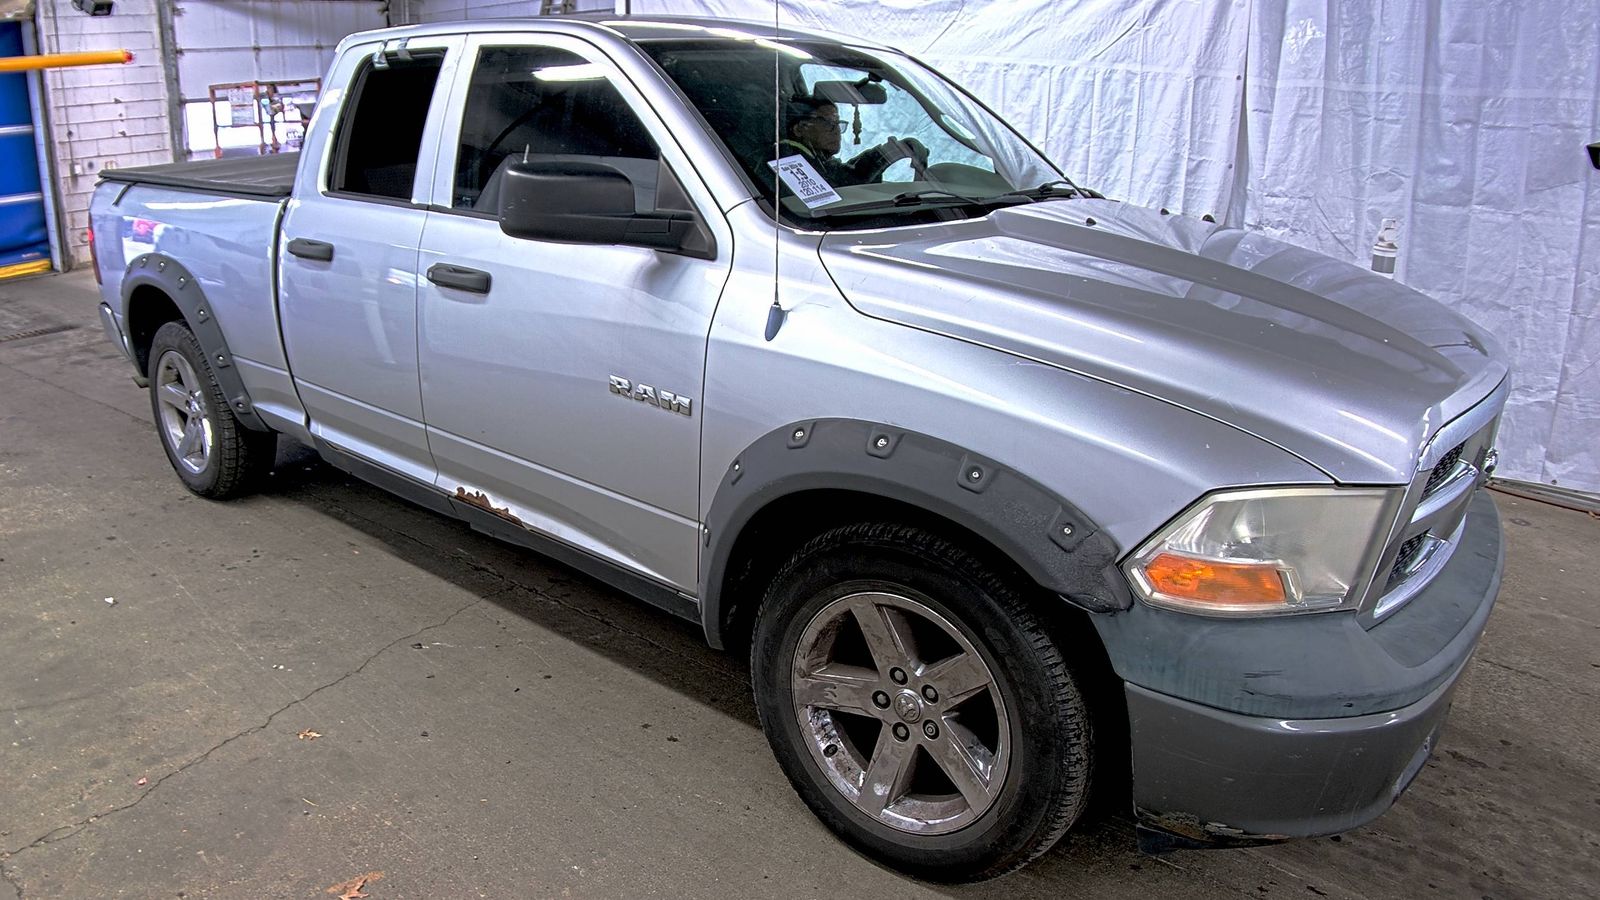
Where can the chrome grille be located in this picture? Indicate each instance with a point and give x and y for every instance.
(1409, 551)
(1434, 511)
(1442, 471)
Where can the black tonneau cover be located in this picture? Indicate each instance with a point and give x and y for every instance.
(268, 177)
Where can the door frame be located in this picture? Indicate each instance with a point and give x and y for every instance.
(43, 141)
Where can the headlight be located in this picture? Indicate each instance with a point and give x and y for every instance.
(1265, 551)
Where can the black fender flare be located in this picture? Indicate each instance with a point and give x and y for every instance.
(1045, 535)
(169, 276)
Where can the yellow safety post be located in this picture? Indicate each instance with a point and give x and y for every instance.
(62, 60)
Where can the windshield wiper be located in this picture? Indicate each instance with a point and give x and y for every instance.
(1059, 189)
(924, 197)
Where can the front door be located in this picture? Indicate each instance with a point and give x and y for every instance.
(546, 367)
(348, 260)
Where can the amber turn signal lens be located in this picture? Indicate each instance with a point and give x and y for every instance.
(1207, 581)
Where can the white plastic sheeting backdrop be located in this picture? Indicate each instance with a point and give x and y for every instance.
(1467, 121)
(1313, 120)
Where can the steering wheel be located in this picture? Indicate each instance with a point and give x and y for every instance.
(919, 166)
(895, 149)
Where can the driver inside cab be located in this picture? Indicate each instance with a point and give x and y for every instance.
(813, 129)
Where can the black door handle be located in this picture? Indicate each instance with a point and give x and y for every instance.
(309, 249)
(459, 277)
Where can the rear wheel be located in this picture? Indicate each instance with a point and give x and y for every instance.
(213, 453)
(918, 706)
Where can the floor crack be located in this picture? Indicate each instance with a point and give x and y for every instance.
(11, 879)
(69, 831)
(1501, 665)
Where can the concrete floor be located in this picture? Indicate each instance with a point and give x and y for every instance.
(493, 725)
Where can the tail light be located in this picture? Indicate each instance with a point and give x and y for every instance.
(94, 259)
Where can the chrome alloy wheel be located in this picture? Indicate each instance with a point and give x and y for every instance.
(185, 425)
(901, 712)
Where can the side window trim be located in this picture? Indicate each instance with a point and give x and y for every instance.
(375, 199)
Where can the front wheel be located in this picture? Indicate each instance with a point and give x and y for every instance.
(213, 453)
(917, 704)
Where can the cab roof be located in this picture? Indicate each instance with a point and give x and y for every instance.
(628, 28)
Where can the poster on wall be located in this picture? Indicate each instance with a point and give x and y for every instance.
(241, 106)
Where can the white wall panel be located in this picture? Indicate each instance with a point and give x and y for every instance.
(222, 41)
(457, 10)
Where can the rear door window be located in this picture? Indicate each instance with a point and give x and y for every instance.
(380, 135)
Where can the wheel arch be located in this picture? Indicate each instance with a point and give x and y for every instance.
(807, 477)
(146, 309)
(158, 289)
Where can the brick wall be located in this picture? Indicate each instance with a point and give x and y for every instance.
(102, 116)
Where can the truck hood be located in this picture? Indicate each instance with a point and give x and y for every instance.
(1346, 369)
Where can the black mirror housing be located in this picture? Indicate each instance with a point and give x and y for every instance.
(581, 202)
(1594, 154)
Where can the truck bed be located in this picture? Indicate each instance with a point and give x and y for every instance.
(268, 177)
(219, 221)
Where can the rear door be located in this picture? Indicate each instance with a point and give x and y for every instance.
(348, 261)
(546, 383)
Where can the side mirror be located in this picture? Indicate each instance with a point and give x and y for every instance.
(1594, 154)
(581, 202)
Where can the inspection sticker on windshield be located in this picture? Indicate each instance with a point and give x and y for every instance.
(804, 179)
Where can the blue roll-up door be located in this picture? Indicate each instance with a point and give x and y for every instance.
(24, 237)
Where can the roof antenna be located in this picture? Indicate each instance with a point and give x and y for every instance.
(775, 318)
(775, 313)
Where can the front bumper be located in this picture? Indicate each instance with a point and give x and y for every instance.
(1204, 774)
(1218, 778)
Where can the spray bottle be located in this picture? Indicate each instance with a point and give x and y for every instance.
(1386, 247)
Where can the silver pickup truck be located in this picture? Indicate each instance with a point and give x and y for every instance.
(1013, 493)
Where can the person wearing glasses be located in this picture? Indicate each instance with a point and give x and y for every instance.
(814, 130)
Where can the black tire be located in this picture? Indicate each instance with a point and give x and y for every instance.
(1047, 784)
(239, 456)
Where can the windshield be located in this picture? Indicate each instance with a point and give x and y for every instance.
(861, 136)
